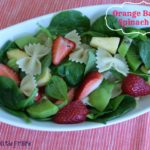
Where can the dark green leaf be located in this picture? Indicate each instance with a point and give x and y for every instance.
(115, 102)
(86, 36)
(116, 108)
(100, 25)
(127, 104)
(144, 49)
(57, 88)
(135, 33)
(20, 114)
(67, 21)
(94, 113)
(91, 62)
(71, 71)
(8, 45)
(11, 97)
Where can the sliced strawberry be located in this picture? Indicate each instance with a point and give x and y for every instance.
(90, 83)
(71, 94)
(40, 94)
(62, 47)
(74, 112)
(134, 85)
(8, 72)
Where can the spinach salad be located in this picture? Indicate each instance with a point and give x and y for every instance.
(75, 71)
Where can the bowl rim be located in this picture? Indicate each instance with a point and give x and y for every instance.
(73, 127)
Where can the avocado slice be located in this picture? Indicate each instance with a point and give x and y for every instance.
(108, 43)
(124, 46)
(12, 64)
(21, 42)
(101, 96)
(44, 77)
(133, 58)
(45, 108)
(16, 54)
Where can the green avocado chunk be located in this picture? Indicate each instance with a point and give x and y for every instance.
(16, 54)
(21, 42)
(124, 46)
(101, 96)
(43, 109)
(133, 58)
(12, 64)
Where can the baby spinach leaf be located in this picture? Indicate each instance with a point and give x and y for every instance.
(28, 101)
(144, 49)
(127, 104)
(116, 108)
(16, 113)
(147, 30)
(91, 62)
(74, 73)
(8, 45)
(11, 97)
(71, 72)
(86, 36)
(135, 33)
(93, 34)
(57, 88)
(115, 102)
(100, 25)
(67, 21)
(94, 113)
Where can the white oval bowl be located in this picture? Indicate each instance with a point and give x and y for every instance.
(30, 27)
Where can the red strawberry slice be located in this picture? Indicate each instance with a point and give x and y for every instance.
(40, 94)
(70, 94)
(74, 112)
(90, 83)
(134, 85)
(8, 72)
(62, 47)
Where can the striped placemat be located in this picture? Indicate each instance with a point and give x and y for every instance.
(129, 135)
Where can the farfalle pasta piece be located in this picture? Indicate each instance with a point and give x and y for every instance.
(121, 65)
(31, 64)
(74, 36)
(36, 50)
(105, 61)
(80, 56)
(28, 84)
